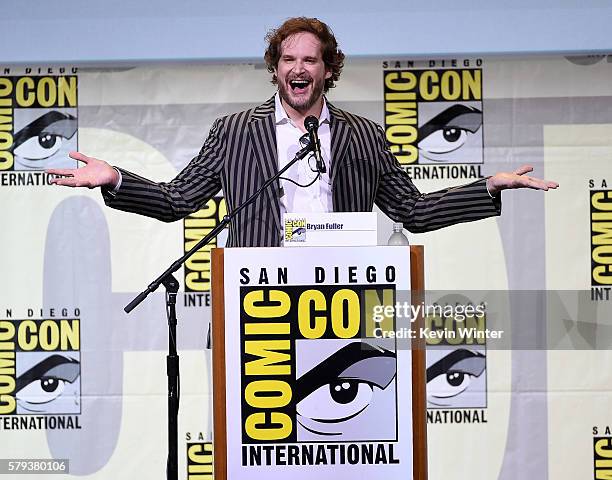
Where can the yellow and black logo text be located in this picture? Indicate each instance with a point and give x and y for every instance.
(434, 116)
(198, 266)
(601, 243)
(39, 366)
(37, 117)
(602, 452)
(200, 461)
(297, 342)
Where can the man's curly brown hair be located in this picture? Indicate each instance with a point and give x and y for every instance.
(332, 55)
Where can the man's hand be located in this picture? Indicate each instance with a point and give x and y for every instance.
(95, 173)
(517, 179)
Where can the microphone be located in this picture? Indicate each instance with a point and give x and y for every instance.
(311, 124)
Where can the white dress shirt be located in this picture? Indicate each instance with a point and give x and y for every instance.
(317, 197)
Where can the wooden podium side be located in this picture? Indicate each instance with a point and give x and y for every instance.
(419, 380)
(419, 405)
(218, 365)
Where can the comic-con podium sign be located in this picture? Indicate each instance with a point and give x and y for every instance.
(305, 384)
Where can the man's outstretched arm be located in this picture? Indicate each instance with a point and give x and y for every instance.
(166, 201)
(398, 197)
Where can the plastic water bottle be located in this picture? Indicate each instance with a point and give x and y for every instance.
(398, 237)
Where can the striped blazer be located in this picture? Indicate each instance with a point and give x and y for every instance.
(240, 154)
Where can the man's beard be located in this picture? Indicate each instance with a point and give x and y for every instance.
(301, 104)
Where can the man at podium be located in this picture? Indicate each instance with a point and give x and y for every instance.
(355, 169)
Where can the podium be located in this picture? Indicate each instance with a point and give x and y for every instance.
(312, 376)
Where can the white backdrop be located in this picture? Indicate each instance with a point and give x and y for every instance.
(66, 256)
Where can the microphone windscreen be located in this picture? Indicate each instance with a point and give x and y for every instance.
(311, 123)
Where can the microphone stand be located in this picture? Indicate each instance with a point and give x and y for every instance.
(171, 284)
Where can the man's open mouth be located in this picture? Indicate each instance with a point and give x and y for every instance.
(299, 86)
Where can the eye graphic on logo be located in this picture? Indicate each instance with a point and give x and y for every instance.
(44, 137)
(343, 386)
(448, 131)
(39, 147)
(46, 381)
(452, 375)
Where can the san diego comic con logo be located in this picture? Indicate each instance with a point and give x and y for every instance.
(199, 460)
(313, 372)
(295, 230)
(455, 333)
(40, 367)
(198, 267)
(38, 126)
(602, 453)
(434, 117)
(456, 363)
(600, 201)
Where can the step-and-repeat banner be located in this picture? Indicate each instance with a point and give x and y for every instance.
(83, 385)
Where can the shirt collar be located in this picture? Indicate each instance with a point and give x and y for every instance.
(281, 116)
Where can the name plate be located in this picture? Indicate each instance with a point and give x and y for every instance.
(329, 229)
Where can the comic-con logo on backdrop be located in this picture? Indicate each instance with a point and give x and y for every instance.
(199, 460)
(600, 201)
(602, 453)
(40, 372)
(433, 117)
(313, 372)
(38, 126)
(197, 268)
(456, 367)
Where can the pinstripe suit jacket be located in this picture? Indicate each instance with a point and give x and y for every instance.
(240, 154)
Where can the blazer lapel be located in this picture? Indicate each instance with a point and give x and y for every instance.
(340, 136)
(262, 134)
